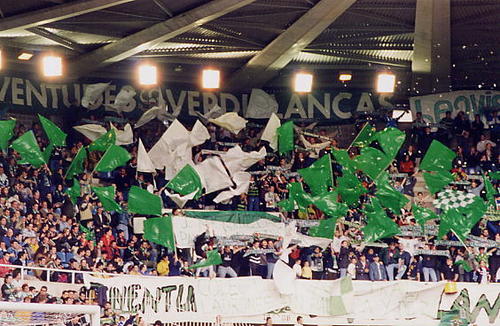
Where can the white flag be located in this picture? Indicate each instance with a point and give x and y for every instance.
(91, 131)
(144, 163)
(242, 180)
(92, 93)
(160, 154)
(125, 136)
(270, 131)
(215, 112)
(237, 160)
(230, 121)
(181, 156)
(176, 134)
(123, 100)
(147, 116)
(284, 278)
(180, 200)
(159, 112)
(261, 105)
(199, 134)
(315, 148)
(213, 174)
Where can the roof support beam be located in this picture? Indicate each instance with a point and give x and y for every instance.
(56, 13)
(164, 8)
(67, 43)
(151, 36)
(431, 63)
(275, 56)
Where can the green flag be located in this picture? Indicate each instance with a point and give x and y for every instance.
(378, 225)
(390, 140)
(325, 229)
(349, 187)
(437, 158)
(300, 197)
(74, 191)
(388, 196)
(465, 265)
(186, 182)
(106, 196)
(76, 166)
(160, 231)
(55, 135)
(89, 234)
(319, 175)
(114, 157)
(364, 137)
(495, 175)
(342, 157)
(296, 197)
(47, 152)
(328, 203)
(141, 201)
(28, 148)
(490, 191)
(104, 142)
(286, 142)
(422, 214)
(6, 132)
(437, 181)
(213, 258)
(372, 162)
(461, 220)
(286, 205)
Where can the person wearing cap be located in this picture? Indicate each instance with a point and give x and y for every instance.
(377, 270)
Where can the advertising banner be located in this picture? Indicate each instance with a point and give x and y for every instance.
(434, 107)
(28, 95)
(244, 299)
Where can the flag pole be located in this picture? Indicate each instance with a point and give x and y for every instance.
(348, 148)
(460, 239)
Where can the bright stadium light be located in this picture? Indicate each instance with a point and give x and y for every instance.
(345, 76)
(386, 82)
(210, 78)
(52, 66)
(148, 75)
(25, 55)
(303, 82)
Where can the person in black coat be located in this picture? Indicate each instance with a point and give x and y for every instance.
(363, 269)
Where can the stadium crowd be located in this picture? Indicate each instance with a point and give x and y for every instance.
(40, 227)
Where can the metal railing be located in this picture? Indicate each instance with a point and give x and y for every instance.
(50, 271)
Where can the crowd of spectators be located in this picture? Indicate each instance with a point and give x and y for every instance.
(40, 227)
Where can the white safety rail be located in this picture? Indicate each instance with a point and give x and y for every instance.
(49, 271)
(18, 313)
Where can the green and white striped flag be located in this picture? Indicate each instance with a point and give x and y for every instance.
(449, 199)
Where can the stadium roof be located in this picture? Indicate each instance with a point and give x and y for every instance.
(261, 42)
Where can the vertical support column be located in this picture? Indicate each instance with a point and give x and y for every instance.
(431, 54)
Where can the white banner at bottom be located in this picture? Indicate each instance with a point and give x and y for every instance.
(247, 299)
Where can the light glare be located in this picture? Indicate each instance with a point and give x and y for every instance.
(148, 75)
(303, 82)
(386, 83)
(211, 78)
(25, 56)
(345, 76)
(52, 66)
